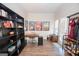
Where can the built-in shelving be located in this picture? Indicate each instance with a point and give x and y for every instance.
(11, 31)
(70, 46)
(71, 40)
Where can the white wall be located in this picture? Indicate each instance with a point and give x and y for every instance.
(16, 8)
(63, 29)
(34, 17)
(61, 15)
(42, 17)
(67, 9)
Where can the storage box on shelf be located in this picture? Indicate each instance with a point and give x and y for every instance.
(3, 13)
(11, 35)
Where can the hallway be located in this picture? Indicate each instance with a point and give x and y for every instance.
(48, 49)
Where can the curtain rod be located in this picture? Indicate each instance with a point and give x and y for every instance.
(72, 15)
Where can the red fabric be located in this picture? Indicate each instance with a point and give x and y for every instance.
(8, 24)
(38, 25)
(71, 29)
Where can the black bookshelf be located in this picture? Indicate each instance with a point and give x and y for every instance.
(12, 39)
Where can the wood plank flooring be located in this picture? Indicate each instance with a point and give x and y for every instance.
(48, 49)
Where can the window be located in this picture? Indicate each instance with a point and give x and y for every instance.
(56, 27)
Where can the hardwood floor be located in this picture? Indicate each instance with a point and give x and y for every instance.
(48, 49)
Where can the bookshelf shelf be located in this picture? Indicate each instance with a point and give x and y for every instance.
(9, 22)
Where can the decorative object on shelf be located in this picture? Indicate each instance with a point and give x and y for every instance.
(11, 33)
(8, 24)
(18, 43)
(19, 20)
(3, 13)
(12, 48)
(20, 26)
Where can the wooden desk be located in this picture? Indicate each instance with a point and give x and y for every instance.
(31, 36)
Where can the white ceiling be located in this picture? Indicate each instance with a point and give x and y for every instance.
(24, 8)
(40, 7)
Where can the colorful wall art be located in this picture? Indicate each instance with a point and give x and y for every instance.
(31, 26)
(37, 25)
(45, 25)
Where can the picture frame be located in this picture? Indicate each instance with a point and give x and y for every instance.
(31, 25)
(45, 25)
(38, 26)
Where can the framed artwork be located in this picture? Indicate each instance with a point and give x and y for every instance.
(32, 25)
(38, 25)
(45, 25)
